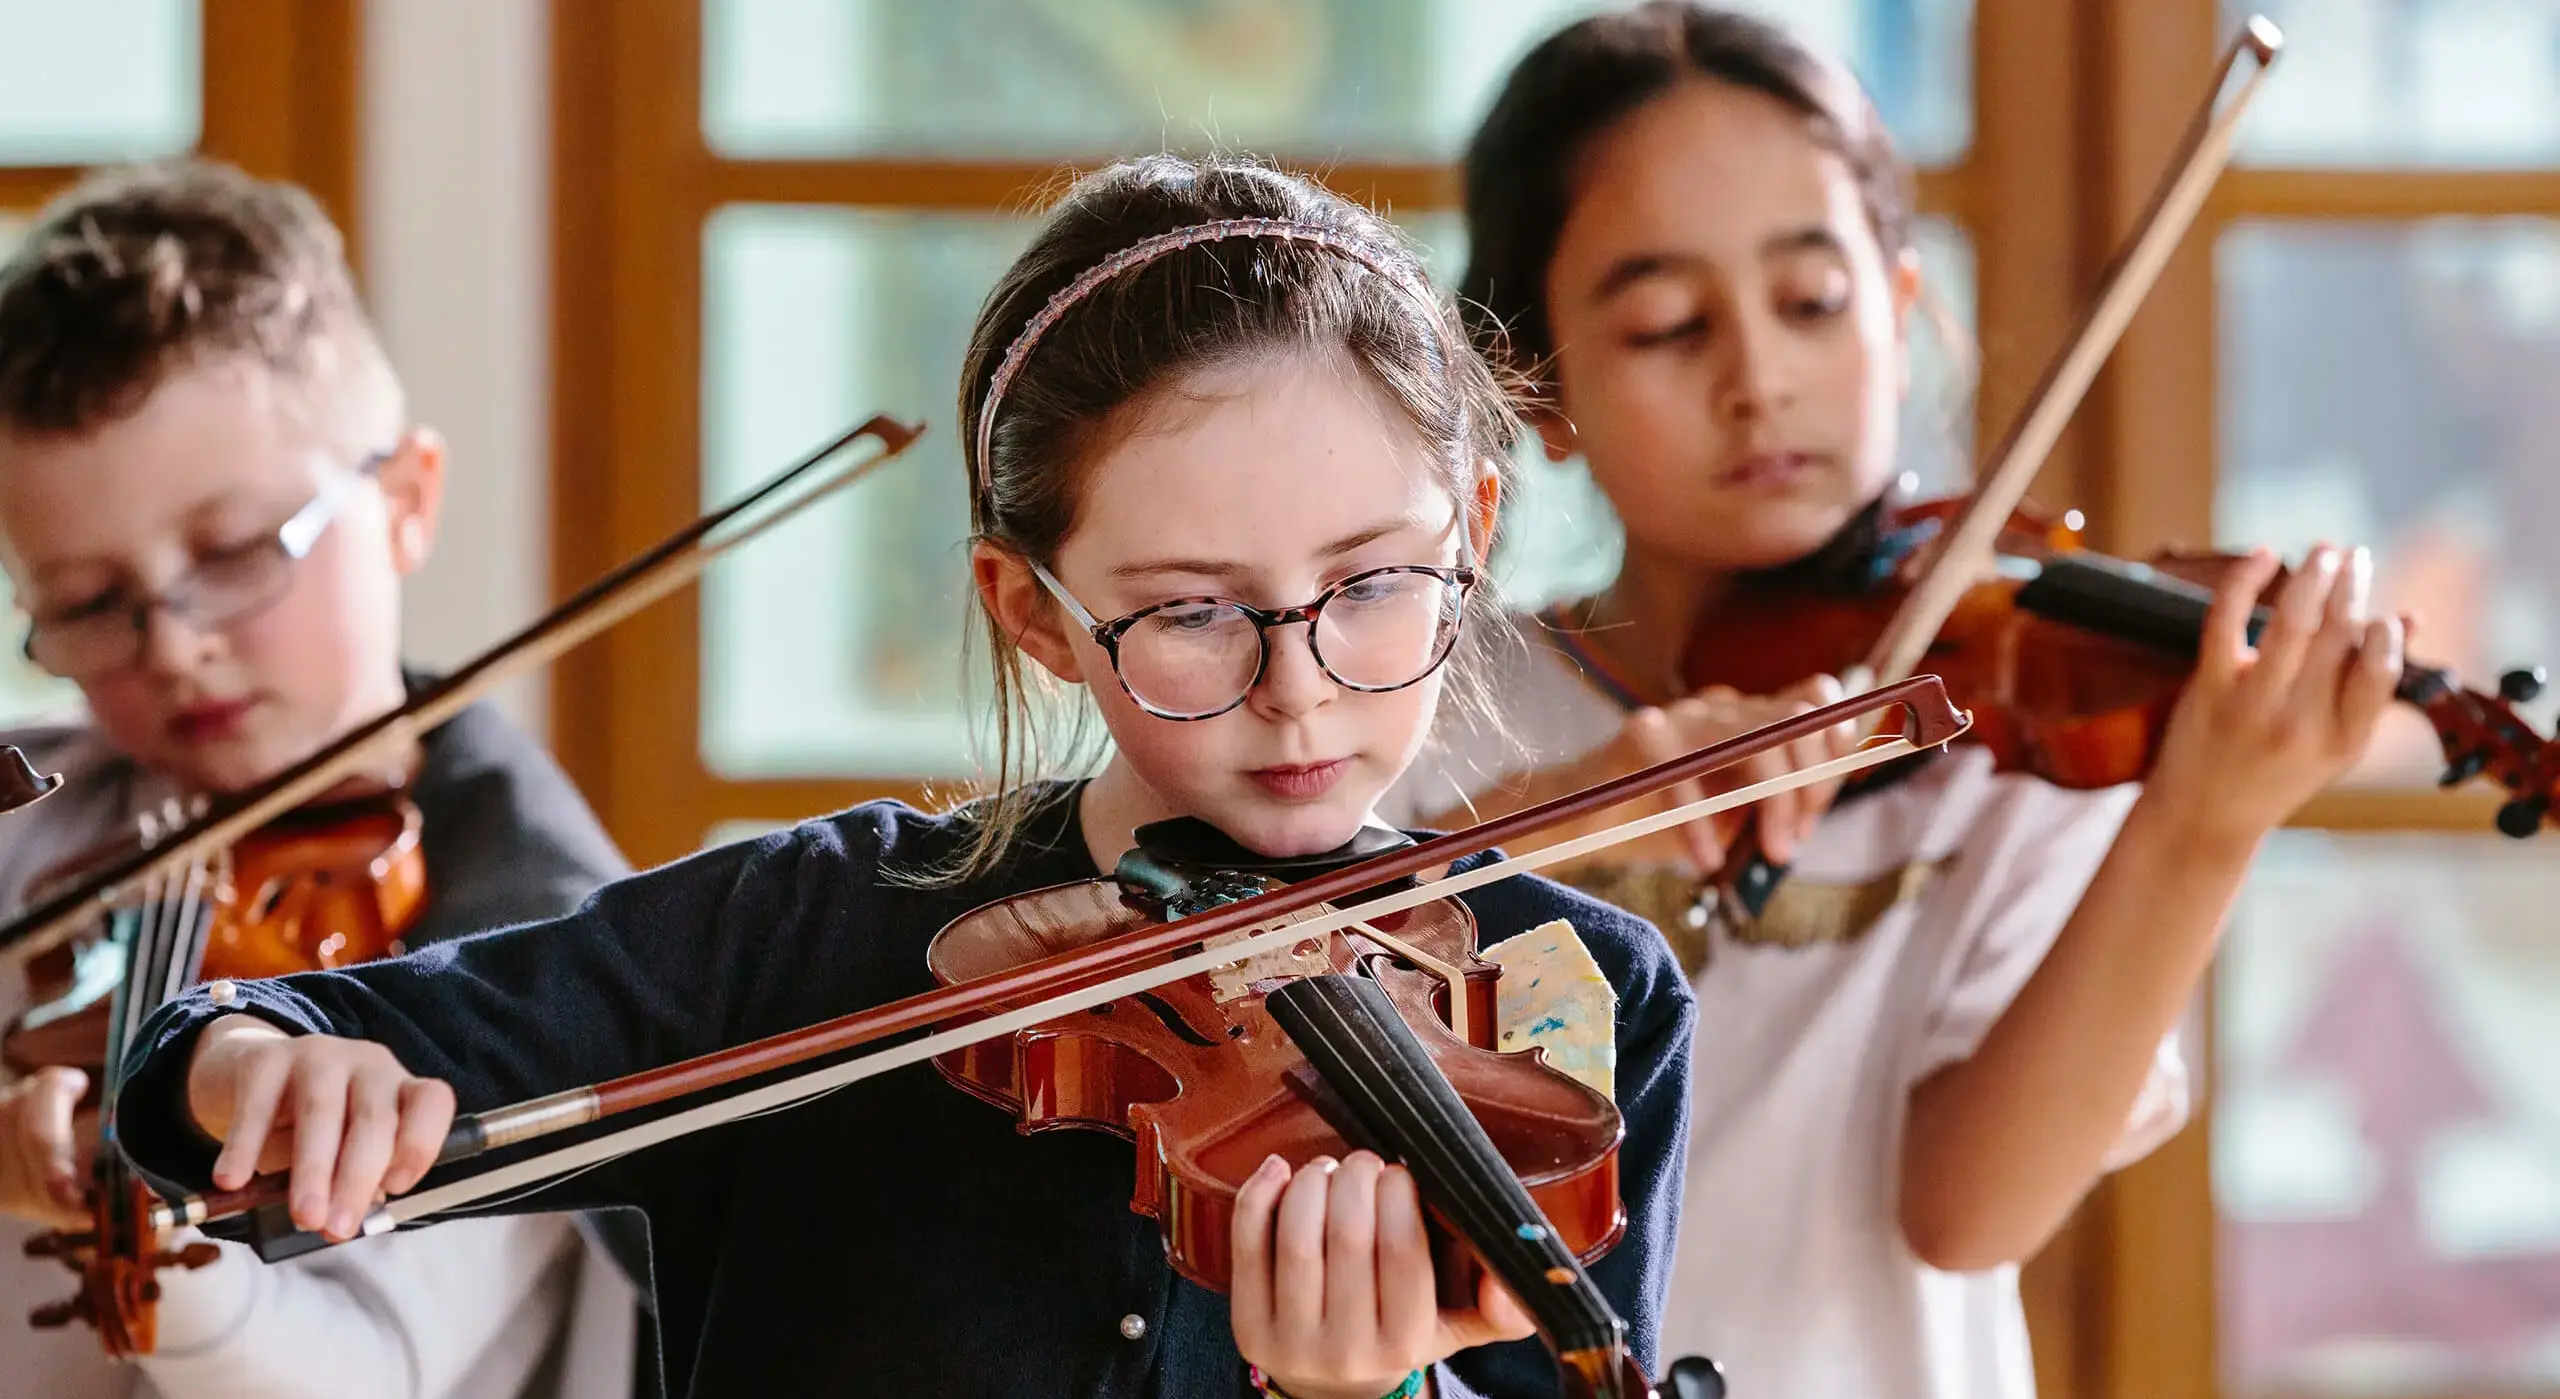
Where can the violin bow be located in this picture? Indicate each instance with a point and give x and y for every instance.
(644, 579)
(1063, 983)
(1962, 554)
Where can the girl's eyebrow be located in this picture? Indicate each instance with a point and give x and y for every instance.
(1636, 267)
(1227, 570)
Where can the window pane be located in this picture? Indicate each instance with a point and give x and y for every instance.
(830, 647)
(2408, 83)
(1380, 79)
(98, 81)
(2390, 384)
(2386, 1126)
(25, 692)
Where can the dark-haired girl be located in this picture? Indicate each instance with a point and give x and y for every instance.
(1204, 396)
(1694, 234)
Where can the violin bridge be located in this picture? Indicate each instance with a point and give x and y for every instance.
(1308, 956)
(1450, 976)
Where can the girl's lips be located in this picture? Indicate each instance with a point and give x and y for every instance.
(1766, 469)
(210, 721)
(1302, 782)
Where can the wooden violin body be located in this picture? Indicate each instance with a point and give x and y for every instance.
(322, 886)
(2071, 660)
(326, 886)
(2076, 705)
(1207, 1084)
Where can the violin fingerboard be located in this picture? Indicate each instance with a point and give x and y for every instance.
(1405, 1109)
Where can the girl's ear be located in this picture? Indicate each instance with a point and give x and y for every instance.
(412, 480)
(1484, 511)
(1023, 611)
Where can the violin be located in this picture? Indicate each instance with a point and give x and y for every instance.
(322, 887)
(1215, 1016)
(326, 886)
(1202, 1075)
(321, 866)
(2070, 660)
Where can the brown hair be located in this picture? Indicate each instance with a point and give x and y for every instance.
(139, 274)
(1577, 85)
(1198, 307)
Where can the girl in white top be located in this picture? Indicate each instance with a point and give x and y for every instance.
(1959, 1010)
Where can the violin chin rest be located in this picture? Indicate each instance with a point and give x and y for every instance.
(1693, 1377)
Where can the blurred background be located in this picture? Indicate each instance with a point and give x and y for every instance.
(633, 255)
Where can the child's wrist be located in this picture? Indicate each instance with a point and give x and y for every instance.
(209, 1083)
(2193, 833)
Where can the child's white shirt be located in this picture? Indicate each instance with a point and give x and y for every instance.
(1791, 1267)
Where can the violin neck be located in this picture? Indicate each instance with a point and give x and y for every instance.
(2138, 603)
(163, 942)
(1386, 1094)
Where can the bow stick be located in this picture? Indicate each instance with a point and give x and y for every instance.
(663, 568)
(1066, 982)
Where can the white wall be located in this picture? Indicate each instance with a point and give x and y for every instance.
(457, 191)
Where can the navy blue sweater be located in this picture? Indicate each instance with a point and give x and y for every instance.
(899, 1236)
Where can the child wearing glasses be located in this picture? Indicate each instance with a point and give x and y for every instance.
(1232, 467)
(210, 492)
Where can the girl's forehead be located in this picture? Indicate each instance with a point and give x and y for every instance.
(1707, 159)
(1269, 457)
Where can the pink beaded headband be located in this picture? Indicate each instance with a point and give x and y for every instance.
(1146, 251)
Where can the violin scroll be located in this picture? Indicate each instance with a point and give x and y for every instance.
(115, 1259)
(20, 783)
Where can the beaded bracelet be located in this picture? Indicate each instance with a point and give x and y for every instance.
(1410, 1389)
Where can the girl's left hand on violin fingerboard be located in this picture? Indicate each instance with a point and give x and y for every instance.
(1334, 1295)
(2261, 730)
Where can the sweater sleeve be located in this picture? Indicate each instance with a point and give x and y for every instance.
(663, 966)
(1657, 1017)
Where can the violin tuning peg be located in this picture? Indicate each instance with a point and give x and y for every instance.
(2463, 768)
(59, 1314)
(59, 1244)
(2522, 685)
(1693, 1377)
(2522, 817)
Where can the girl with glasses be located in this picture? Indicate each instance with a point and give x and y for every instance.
(1232, 466)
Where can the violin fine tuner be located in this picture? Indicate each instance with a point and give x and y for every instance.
(20, 783)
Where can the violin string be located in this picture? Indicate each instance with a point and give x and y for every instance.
(815, 1083)
(1458, 1154)
(1327, 1024)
